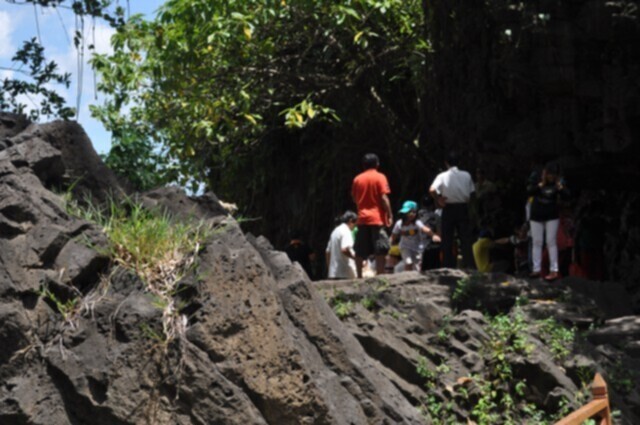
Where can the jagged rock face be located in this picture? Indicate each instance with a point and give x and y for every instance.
(400, 318)
(262, 346)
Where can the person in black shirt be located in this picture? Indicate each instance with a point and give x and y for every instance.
(432, 218)
(546, 190)
(299, 251)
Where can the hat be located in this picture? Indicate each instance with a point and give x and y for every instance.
(408, 206)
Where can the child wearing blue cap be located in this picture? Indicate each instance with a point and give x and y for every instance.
(408, 230)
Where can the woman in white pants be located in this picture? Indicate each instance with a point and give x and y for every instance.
(545, 217)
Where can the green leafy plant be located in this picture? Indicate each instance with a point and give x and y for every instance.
(445, 329)
(558, 338)
(438, 412)
(507, 336)
(341, 305)
(69, 309)
(392, 312)
(622, 379)
(370, 302)
(423, 369)
(464, 286)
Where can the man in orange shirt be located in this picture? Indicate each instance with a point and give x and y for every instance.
(370, 192)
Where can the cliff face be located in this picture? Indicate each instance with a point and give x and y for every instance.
(261, 345)
(82, 338)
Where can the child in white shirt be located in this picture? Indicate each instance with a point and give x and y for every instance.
(408, 230)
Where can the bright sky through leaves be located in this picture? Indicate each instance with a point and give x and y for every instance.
(55, 29)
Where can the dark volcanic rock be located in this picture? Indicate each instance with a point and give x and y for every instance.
(61, 155)
(261, 347)
(11, 124)
(410, 321)
(82, 339)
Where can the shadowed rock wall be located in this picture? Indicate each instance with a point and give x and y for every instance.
(515, 84)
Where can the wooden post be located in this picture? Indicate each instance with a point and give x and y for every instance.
(599, 392)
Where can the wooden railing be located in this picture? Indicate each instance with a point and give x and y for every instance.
(597, 409)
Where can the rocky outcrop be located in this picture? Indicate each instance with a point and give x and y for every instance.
(82, 339)
(436, 338)
(80, 336)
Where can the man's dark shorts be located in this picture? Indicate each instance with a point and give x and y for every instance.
(371, 240)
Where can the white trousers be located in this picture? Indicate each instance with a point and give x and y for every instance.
(540, 230)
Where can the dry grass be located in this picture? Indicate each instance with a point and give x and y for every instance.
(153, 245)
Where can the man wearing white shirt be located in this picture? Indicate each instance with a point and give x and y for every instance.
(340, 256)
(452, 191)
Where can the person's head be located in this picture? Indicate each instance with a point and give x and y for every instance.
(451, 160)
(370, 160)
(349, 218)
(485, 233)
(409, 210)
(551, 172)
(296, 235)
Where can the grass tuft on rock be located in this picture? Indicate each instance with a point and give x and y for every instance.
(159, 249)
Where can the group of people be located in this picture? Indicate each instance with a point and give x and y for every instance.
(360, 236)
(427, 238)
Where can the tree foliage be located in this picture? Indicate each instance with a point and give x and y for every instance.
(41, 74)
(32, 86)
(209, 81)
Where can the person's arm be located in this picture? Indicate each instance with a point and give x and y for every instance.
(346, 246)
(395, 233)
(564, 192)
(386, 205)
(348, 252)
(472, 189)
(534, 184)
(441, 201)
(424, 228)
(427, 230)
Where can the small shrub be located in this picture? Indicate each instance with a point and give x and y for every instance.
(507, 336)
(445, 330)
(557, 338)
(342, 307)
(464, 286)
(370, 302)
(622, 380)
(423, 369)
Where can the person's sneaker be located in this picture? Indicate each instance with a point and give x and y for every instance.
(552, 276)
(534, 275)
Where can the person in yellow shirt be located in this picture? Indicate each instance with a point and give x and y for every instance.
(482, 252)
(483, 247)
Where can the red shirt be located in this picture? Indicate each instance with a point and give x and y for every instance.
(367, 190)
